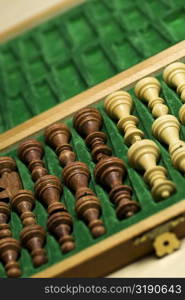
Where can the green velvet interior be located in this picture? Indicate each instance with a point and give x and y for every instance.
(80, 48)
(141, 192)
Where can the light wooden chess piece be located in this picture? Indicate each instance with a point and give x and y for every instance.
(174, 76)
(182, 114)
(143, 153)
(166, 127)
(148, 89)
(119, 106)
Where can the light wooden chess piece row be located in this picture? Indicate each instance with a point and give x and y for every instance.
(143, 153)
(166, 127)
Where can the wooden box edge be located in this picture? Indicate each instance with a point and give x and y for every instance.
(116, 251)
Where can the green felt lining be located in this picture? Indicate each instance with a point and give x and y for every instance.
(141, 191)
(80, 48)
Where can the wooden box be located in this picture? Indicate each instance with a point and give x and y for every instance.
(126, 240)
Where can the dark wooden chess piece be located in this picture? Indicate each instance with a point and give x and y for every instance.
(48, 189)
(9, 179)
(33, 235)
(76, 176)
(22, 201)
(9, 247)
(110, 171)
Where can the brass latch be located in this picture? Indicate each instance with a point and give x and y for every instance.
(164, 240)
(166, 243)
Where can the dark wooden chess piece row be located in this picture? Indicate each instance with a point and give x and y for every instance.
(22, 201)
(110, 171)
(9, 247)
(48, 189)
(76, 176)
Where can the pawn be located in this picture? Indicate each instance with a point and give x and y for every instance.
(148, 89)
(76, 177)
(166, 129)
(32, 236)
(60, 224)
(48, 189)
(143, 155)
(119, 105)
(174, 76)
(9, 247)
(9, 253)
(88, 123)
(57, 136)
(31, 152)
(110, 172)
(23, 202)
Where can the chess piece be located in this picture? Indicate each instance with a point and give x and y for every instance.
(9, 247)
(57, 136)
(76, 176)
(143, 154)
(33, 235)
(9, 179)
(182, 114)
(174, 76)
(48, 189)
(166, 127)
(148, 89)
(119, 106)
(4, 218)
(31, 153)
(110, 171)
(9, 253)
(88, 123)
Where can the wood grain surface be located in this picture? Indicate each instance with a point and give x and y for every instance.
(16, 16)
